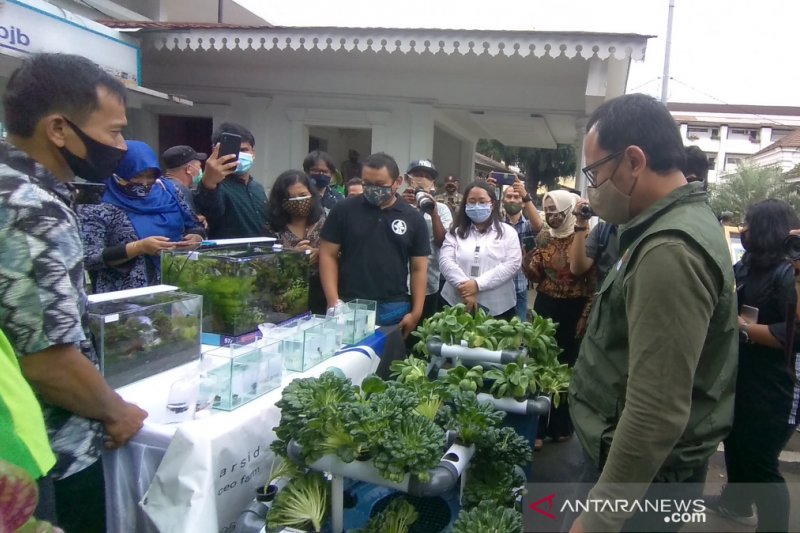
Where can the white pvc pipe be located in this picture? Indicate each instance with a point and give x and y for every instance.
(359, 470)
(463, 455)
(509, 405)
(472, 354)
(337, 504)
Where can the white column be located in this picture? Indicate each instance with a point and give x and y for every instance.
(467, 161)
(684, 132)
(765, 138)
(580, 160)
(723, 141)
(251, 112)
(420, 134)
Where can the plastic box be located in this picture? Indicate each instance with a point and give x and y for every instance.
(140, 335)
(242, 286)
(239, 374)
(364, 319)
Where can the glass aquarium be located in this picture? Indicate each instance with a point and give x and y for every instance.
(242, 285)
(364, 319)
(145, 334)
(239, 374)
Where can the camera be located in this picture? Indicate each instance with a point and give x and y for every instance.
(791, 247)
(424, 202)
(585, 212)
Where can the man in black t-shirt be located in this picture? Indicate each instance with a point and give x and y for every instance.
(380, 238)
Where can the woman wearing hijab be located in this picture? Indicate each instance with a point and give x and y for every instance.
(140, 216)
(481, 255)
(295, 217)
(560, 295)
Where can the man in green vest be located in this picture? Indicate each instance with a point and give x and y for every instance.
(652, 391)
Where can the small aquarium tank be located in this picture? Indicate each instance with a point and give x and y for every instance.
(143, 335)
(243, 285)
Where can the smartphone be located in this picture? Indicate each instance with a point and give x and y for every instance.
(503, 178)
(749, 313)
(529, 243)
(88, 193)
(230, 143)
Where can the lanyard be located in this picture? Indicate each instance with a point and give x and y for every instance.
(475, 269)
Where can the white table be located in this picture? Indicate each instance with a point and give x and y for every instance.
(198, 475)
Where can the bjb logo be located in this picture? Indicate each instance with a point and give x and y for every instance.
(11, 35)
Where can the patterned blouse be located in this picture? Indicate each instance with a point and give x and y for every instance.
(106, 229)
(289, 240)
(548, 264)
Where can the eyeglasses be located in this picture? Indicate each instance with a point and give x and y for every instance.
(479, 202)
(590, 171)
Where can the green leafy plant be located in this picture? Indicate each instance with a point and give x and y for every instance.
(302, 503)
(466, 379)
(414, 445)
(409, 369)
(472, 419)
(502, 487)
(488, 518)
(398, 517)
(512, 381)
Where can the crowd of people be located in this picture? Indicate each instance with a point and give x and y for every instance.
(645, 298)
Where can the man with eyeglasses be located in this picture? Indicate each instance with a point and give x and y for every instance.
(652, 391)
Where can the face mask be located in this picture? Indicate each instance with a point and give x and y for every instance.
(320, 181)
(297, 207)
(197, 179)
(479, 213)
(610, 204)
(101, 159)
(377, 194)
(134, 190)
(245, 163)
(512, 209)
(554, 220)
(450, 188)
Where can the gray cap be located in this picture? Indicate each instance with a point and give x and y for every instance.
(423, 164)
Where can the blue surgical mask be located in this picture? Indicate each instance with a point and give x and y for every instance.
(245, 163)
(320, 181)
(377, 194)
(479, 213)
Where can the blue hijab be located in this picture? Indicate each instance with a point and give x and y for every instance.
(156, 215)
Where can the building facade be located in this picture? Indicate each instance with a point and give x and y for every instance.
(733, 134)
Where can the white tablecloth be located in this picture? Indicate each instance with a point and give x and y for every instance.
(198, 475)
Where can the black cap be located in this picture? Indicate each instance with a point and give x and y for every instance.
(423, 164)
(178, 156)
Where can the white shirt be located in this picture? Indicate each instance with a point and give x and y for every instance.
(499, 259)
(433, 260)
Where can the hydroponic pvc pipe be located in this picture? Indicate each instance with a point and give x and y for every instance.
(539, 406)
(477, 355)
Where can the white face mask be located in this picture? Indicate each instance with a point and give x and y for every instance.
(610, 204)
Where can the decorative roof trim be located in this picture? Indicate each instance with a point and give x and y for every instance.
(392, 41)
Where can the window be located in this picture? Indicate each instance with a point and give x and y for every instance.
(712, 161)
(694, 129)
(732, 162)
(715, 134)
(779, 134)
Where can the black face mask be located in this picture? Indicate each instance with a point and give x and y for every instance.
(101, 159)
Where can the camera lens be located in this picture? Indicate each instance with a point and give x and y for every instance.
(791, 246)
(424, 202)
(586, 211)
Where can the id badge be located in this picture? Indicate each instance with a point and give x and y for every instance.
(474, 271)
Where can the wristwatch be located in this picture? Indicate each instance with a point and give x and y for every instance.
(744, 336)
(581, 228)
(527, 198)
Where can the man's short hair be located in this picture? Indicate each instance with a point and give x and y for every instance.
(318, 155)
(696, 163)
(643, 121)
(351, 182)
(234, 128)
(54, 83)
(381, 160)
